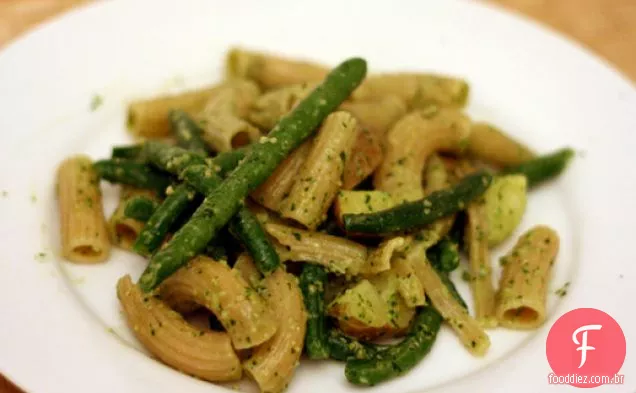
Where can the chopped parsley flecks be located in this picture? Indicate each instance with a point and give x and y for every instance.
(96, 102)
(561, 292)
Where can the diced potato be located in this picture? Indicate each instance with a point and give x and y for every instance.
(373, 308)
(361, 311)
(399, 314)
(356, 202)
(335, 286)
(505, 205)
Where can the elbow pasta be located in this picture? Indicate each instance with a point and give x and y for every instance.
(242, 312)
(272, 364)
(148, 118)
(417, 90)
(271, 71)
(409, 144)
(83, 227)
(205, 354)
(375, 118)
(521, 300)
(490, 144)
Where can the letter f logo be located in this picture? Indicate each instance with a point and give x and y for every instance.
(583, 344)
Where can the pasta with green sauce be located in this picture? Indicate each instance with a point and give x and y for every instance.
(309, 210)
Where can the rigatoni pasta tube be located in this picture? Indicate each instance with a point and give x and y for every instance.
(480, 264)
(467, 329)
(272, 364)
(320, 176)
(124, 230)
(271, 71)
(269, 108)
(222, 117)
(409, 144)
(417, 90)
(521, 300)
(276, 188)
(83, 227)
(337, 254)
(492, 145)
(366, 155)
(213, 285)
(148, 118)
(205, 354)
(377, 116)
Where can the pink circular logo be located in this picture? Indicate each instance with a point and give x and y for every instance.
(585, 348)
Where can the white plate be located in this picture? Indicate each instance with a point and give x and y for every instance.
(56, 332)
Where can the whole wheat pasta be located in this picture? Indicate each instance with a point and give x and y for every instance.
(83, 227)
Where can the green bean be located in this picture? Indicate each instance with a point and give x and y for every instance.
(216, 251)
(312, 283)
(130, 152)
(262, 159)
(191, 167)
(399, 358)
(140, 208)
(176, 159)
(543, 168)
(246, 228)
(158, 225)
(187, 132)
(204, 179)
(228, 160)
(169, 158)
(133, 174)
(417, 214)
(444, 255)
(343, 347)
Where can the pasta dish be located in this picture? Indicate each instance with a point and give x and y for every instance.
(313, 212)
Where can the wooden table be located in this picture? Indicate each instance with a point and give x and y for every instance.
(608, 27)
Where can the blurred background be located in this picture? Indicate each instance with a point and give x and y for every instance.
(607, 27)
